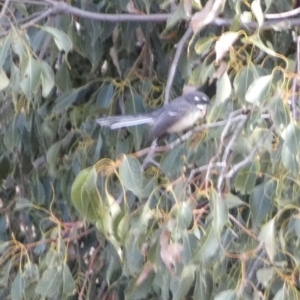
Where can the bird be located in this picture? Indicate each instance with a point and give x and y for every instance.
(174, 117)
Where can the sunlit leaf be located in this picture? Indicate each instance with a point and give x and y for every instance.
(267, 236)
(47, 78)
(257, 11)
(4, 81)
(131, 175)
(224, 43)
(61, 39)
(31, 75)
(258, 90)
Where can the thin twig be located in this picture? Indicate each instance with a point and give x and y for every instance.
(44, 15)
(227, 150)
(179, 50)
(188, 134)
(4, 7)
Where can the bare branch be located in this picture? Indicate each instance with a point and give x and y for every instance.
(4, 7)
(179, 50)
(227, 150)
(283, 15)
(65, 8)
(235, 117)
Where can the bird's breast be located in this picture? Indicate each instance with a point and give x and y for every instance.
(185, 122)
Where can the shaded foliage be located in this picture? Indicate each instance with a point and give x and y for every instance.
(83, 216)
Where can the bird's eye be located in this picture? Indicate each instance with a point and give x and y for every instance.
(196, 98)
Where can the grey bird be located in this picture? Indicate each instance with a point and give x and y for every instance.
(176, 116)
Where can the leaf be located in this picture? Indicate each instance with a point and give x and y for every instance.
(50, 283)
(203, 284)
(180, 290)
(232, 201)
(4, 81)
(208, 247)
(47, 78)
(219, 212)
(246, 178)
(171, 162)
(68, 283)
(203, 45)
(85, 195)
(17, 287)
(244, 78)
(223, 88)
(30, 76)
(257, 11)
(224, 44)
(105, 95)
(226, 295)
(4, 50)
(64, 101)
(265, 276)
(292, 137)
(258, 90)
(267, 236)
(177, 16)
(131, 175)
(279, 113)
(260, 201)
(61, 39)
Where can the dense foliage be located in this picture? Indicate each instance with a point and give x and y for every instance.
(91, 213)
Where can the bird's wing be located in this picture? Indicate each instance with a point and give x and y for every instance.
(167, 117)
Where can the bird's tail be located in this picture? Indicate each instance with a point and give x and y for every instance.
(116, 122)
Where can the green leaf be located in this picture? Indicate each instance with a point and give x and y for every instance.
(203, 284)
(85, 195)
(61, 39)
(105, 95)
(180, 290)
(208, 247)
(223, 89)
(246, 178)
(292, 137)
(258, 90)
(177, 16)
(64, 101)
(68, 283)
(172, 161)
(47, 78)
(279, 113)
(232, 201)
(226, 295)
(5, 44)
(267, 236)
(17, 287)
(50, 283)
(203, 45)
(4, 81)
(244, 78)
(30, 75)
(131, 175)
(219, 212)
